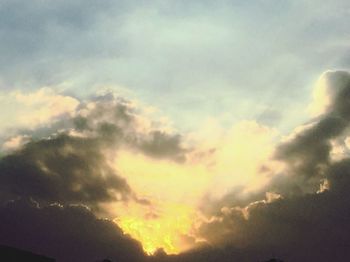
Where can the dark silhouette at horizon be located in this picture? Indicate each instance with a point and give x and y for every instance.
(11, 254)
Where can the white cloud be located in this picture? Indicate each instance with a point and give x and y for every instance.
(35, 109)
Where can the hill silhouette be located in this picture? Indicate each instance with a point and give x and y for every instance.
(10, 254)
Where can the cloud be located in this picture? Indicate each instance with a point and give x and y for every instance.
(36, 109)
(331, 87)
(308, 219)
(70, 233)
(110, 155)
(160, 144)
(65, 159)
(63, 169)
(308, 153)
(149, 48)
(305, 228)
(219, 195)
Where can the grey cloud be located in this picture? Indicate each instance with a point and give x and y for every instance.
(114, 120)
(57, 166)
(65, 164)
(163, 145)
(338, 175)
(309, 228)
(63, 169)
(300, 227)
(305, 225)
(308, 154)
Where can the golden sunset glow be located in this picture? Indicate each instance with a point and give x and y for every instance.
(166, 230)
(174, 190)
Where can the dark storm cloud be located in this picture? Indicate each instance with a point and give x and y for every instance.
(307, 228)
(70, 233)
(62, 169)
(308, 154)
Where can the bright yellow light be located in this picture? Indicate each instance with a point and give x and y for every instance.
(165, 230)
(175, 190)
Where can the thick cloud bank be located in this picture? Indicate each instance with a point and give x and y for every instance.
(70, 233)
(63, 169)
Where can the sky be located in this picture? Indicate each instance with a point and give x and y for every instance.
(175, 130)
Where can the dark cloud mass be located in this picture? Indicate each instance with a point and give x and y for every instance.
(308, 154)
(63, 169)
(306, 228)
(70, 233)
